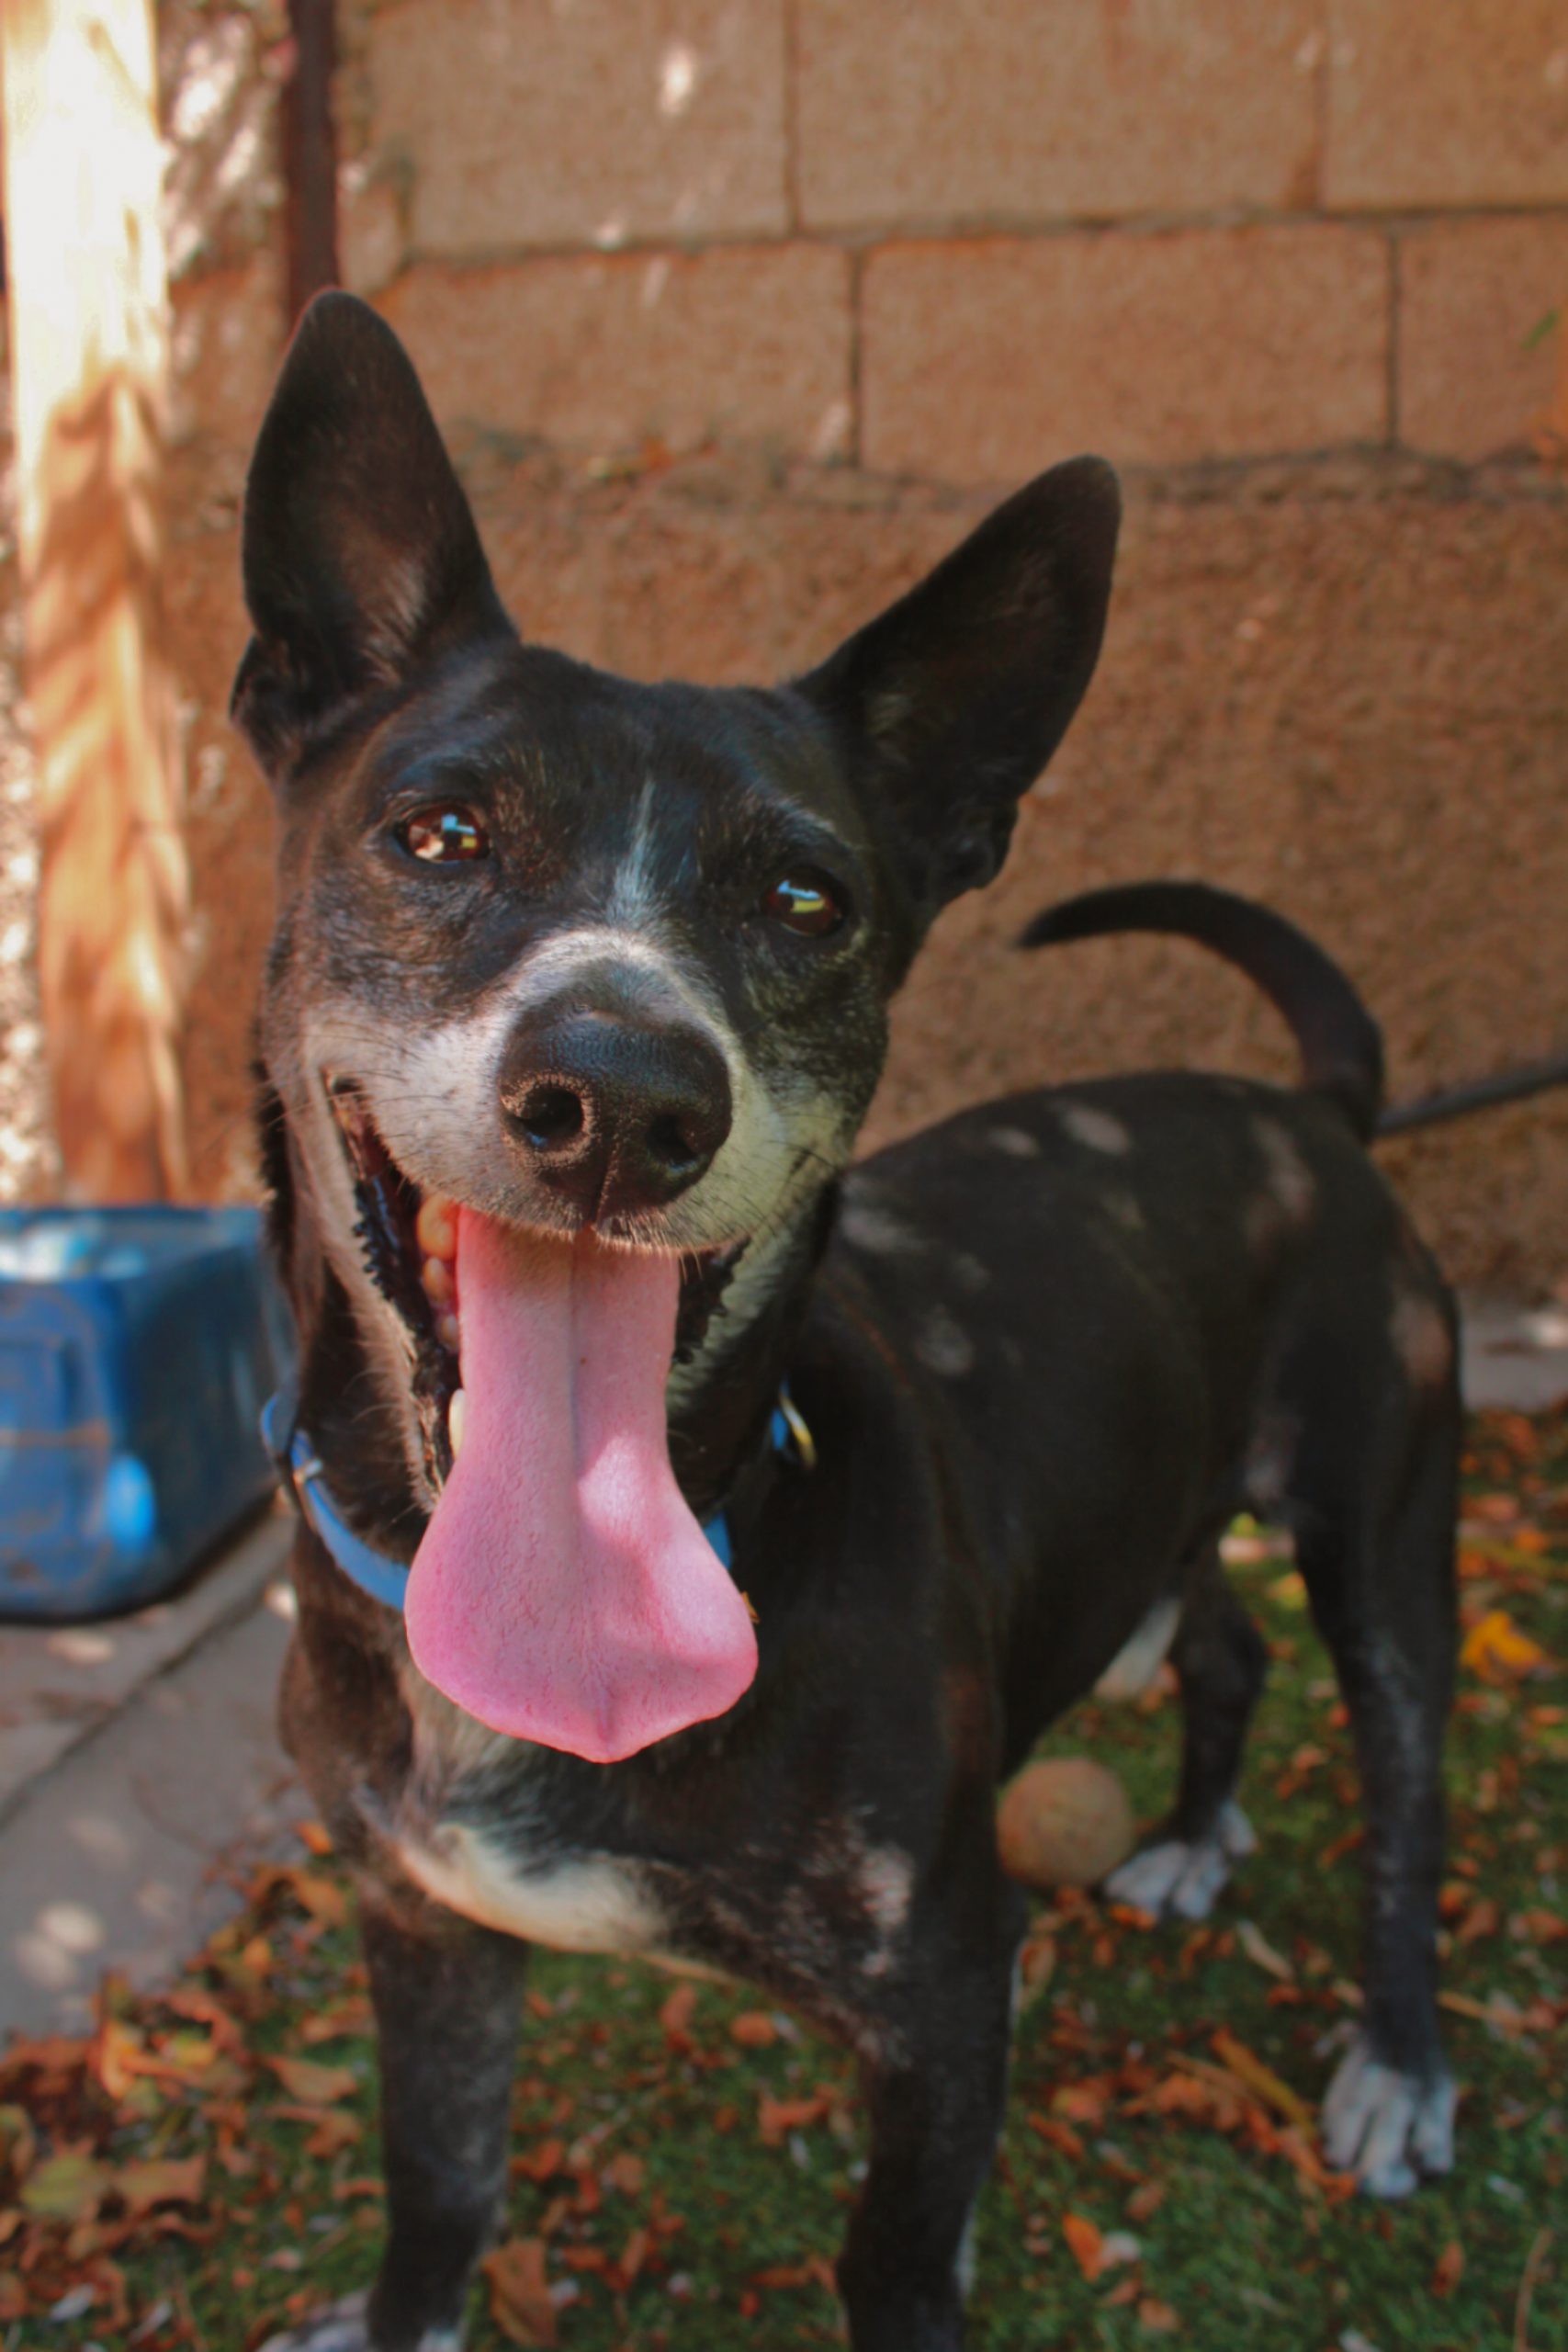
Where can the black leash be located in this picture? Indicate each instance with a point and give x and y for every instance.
(1480, 1094)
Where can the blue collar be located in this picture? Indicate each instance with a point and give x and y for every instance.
(387, 1580)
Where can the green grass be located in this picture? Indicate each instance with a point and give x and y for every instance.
(671, 2216)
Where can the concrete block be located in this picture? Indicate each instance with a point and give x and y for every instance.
(996, 115)
(1475, 373)
(526, 123)
(608, 354)
(984, 361)
(1459, 103)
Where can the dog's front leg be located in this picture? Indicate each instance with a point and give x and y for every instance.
(448, 1999)
(935, 2084)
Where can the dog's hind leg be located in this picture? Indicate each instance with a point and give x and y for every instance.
(1375, 1535)
(447, 1997)
(935, 2074)
(1219, 1655)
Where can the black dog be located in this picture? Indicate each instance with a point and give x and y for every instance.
(576, 1001)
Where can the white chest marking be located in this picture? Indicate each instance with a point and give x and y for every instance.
(595, 1905)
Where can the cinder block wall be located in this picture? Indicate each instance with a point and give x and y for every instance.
(952, 239)
(738, 312)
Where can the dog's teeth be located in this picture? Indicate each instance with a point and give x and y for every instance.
(457, 1420)
(436, 1225)
(436, 1276)
(449, 1332)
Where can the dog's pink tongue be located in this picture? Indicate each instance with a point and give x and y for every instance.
(563, 1591)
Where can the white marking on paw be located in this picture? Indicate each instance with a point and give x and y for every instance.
(1179, 1880)
(1387, 2126)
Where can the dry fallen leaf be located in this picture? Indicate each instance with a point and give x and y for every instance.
(161, 2180)
(1239, 2061)
(815, 2271)
(1085, 2243)
(322, 1897)
(1449, 2269)
(313, 2085)
(69, 2186)
(1497, 1651)
(1058, 2135)
(1483, 1918)
(116, 2052)
(541, 2163)
(777, 2117)
(519, 2296)
(331, 2130)
(675, 2017)
(19, 2141)
(1145, 2201)
(1261, 1953)
(1084, 2102)
(634, 2253)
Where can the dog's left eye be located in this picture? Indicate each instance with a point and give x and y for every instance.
(444, 834)
(805, 902)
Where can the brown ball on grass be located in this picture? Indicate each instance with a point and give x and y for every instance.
(1064, 1822)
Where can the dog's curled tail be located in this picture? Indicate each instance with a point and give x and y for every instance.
(1339, 1043)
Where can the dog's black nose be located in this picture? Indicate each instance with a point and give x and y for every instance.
(614, 1111)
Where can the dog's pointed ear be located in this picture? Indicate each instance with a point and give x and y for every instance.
(360, 554)
(951, 703)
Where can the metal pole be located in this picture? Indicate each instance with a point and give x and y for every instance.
(310, 154)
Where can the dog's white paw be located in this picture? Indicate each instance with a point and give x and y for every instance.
(1176, 1879)
(341, 2328)
(1388, 2128)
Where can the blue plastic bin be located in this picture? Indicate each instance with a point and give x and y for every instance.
(137, 1348)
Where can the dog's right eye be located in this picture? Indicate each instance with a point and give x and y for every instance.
(446, 833)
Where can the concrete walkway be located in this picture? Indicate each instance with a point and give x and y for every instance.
(140, 1778)
(141, 1775)
(1514, 1359)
